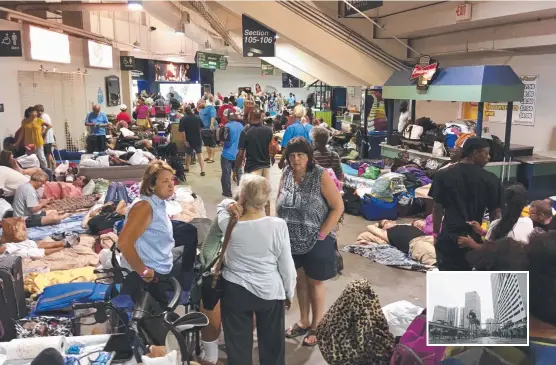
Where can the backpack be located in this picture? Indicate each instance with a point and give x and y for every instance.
(413, 132)
(412, 348)
(176, 163)
(224, 134)
(352, 201)
(496, 149)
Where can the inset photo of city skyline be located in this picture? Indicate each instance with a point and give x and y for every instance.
(477, 308)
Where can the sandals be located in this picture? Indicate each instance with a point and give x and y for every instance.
(203, 173)
(296, 331)
(210, 161)
(310, 333)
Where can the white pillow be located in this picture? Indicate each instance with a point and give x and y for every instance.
(126, 132)
(89, 189)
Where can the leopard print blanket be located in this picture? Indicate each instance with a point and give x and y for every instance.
(354, 330)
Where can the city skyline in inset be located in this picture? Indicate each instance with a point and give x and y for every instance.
(449, 290)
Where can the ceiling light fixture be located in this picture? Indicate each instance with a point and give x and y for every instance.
(134, 5)
(180, 29)
(136, 46)
(277, 36)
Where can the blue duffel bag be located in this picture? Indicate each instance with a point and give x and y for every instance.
(374, 209)
(61, 297)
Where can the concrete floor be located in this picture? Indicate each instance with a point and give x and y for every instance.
(390, 284)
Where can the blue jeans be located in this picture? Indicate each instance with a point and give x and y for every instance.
(227, 167)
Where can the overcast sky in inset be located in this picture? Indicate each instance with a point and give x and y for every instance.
(448, 288)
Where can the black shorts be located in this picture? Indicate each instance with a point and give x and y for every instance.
(47, 149)
(35, 220)
(209, 138)
(320, 263)
(96, 143)
(193, 149)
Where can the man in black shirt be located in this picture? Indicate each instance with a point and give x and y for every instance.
(461, 194)
(191, 126)
(254, 143)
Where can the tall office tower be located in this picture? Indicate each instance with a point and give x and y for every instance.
(440, 314)
(509, 293)
(452, 316)
(490, 325)
(472, 303)
(461, 315)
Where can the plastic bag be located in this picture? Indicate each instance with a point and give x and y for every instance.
(372, 172)
(399, 315)
(62, 168)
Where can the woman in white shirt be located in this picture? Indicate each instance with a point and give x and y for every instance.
(511, 225)
(259, 276)
(404, 115)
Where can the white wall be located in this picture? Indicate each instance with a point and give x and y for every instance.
(439, 111)
(9, 92)
(542, 135)
(234, 77)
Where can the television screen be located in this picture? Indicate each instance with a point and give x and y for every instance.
(100, 55)
(49, 46)
(185, 93)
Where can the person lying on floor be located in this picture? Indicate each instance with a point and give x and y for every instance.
(27, 204)
(398, 235)
(27, 164)
(38, 249)
(511, 225)
(120, 209)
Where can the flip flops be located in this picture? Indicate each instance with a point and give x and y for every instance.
(310, 333)
(296, 331)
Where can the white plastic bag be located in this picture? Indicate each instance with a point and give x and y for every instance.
(400, 315)
(438, 149)
(62, 168)
(126, 132)
(138, 159)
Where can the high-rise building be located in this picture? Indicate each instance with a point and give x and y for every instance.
(452, 316)
(461, 317)
(509, 294)
(472, 303)
(440, 314)
(490, 325)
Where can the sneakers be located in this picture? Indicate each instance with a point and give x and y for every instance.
(71, 239)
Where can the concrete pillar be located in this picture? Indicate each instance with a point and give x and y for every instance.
(126, 83)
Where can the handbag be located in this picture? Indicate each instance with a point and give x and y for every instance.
(438, 149)
(14, 230)
(211, 285)
(339, 262)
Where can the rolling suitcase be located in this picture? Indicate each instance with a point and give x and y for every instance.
(12, 296)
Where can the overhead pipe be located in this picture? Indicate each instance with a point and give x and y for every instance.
(113, 7)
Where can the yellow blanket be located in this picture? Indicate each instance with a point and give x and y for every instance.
(36, 282)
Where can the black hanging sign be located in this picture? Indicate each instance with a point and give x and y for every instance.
(346, 10)
(258, 40)
(127, 63)
(10, 43)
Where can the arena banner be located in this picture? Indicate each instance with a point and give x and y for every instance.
(258, 40)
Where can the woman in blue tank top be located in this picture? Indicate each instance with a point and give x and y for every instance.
(147, 240)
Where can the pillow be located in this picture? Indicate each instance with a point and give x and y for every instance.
(89, 189)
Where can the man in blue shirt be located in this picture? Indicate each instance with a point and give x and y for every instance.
(297, 129)
(232, 131)
(208, 116)
(97, 122)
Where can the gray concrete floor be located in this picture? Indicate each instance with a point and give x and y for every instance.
(390, 284)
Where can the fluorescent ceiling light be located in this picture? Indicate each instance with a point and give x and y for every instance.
(135, 5)
(180, 29)
(277, 36)
(136, 46)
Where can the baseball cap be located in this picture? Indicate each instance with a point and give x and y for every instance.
(123, 107)
(473, 143)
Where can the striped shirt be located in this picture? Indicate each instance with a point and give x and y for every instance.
(329, 160)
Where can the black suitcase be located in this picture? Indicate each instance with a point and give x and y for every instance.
(12, 296)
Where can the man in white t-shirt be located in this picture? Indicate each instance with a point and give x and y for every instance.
(49, 139)
(10, 180)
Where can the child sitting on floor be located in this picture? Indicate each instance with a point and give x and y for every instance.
(32, 249)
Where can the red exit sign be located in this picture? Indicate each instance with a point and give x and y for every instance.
(463, 12)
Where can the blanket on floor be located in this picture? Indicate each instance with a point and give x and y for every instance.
(70, 224)
(78, 256)
(68, 205)
(386, 255)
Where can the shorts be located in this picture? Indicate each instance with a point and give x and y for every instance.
(47, 149)
(193, 149)
(24, 249)
(143, 123)
(209, 139)
(35, 220)
(264, 172)
(320, 263)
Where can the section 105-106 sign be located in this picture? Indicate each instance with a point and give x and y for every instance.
(258, 40)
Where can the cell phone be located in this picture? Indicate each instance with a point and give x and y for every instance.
(120, 344)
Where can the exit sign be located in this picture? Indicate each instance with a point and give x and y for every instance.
(463, 12)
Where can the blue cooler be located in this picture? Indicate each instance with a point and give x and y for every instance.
(374, 209)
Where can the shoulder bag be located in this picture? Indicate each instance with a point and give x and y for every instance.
(211, 284)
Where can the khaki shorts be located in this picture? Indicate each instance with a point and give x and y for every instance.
(264, 172)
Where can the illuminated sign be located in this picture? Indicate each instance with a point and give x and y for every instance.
(424, 72)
